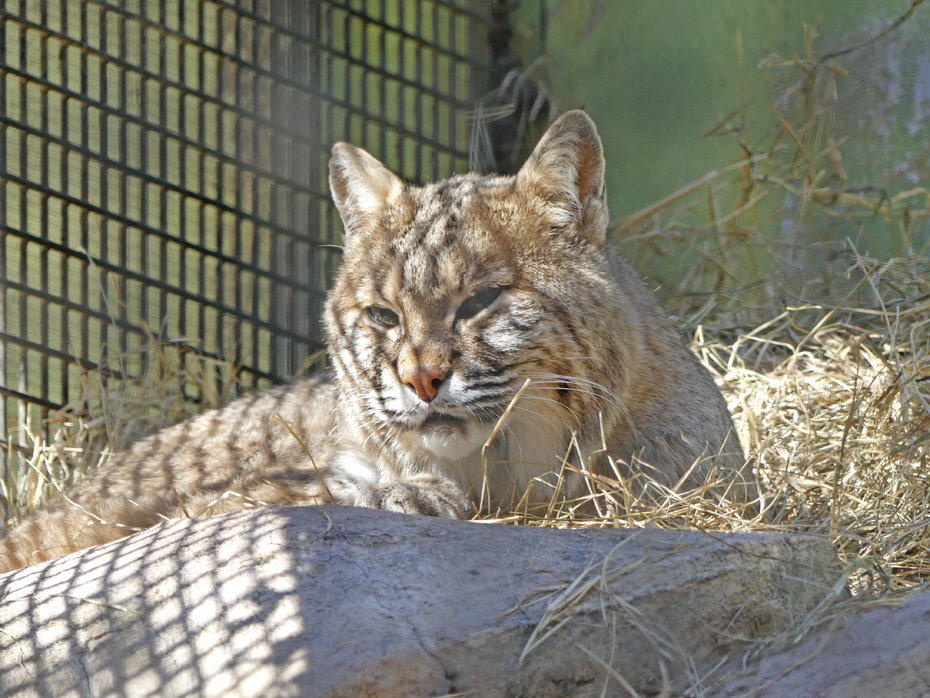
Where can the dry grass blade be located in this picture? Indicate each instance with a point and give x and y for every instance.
(484, 500)
(283, 422)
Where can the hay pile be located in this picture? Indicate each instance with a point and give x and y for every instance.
(822, 351)
(839, 423)
(832, 402)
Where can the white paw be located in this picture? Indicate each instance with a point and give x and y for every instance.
(426, 495)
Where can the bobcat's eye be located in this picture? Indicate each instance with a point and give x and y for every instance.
(383, 316)
(477, 303)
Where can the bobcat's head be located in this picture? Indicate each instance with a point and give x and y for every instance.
(450, 296)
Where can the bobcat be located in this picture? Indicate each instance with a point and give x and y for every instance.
(451, 299)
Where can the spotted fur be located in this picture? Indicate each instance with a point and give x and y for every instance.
(451, 299)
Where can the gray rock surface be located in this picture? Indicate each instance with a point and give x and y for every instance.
(338, 601)
(879, 652)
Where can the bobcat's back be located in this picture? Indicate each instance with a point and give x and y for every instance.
(225, 459)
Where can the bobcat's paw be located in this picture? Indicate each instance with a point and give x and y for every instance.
(426, 495)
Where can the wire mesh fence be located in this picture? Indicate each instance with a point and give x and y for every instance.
(163, 173)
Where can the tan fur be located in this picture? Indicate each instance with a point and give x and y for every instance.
(449, 298)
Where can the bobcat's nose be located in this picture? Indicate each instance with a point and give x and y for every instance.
(424, 379)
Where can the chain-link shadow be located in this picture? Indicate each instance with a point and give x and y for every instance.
(189, 608)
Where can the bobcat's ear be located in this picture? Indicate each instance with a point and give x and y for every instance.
(567, 170)
(361, 186)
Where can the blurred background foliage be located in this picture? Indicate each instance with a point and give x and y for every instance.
(820, 107)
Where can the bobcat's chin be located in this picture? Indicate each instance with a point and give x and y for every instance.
(451, 438)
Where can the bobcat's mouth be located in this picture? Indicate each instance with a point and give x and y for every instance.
(431, 421)
(441, 419)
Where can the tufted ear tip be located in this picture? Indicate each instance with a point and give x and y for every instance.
(575, 121)
(567, 170)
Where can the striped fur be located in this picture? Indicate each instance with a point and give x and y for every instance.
(449, 299)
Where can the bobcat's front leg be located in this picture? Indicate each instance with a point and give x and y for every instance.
(424, 494)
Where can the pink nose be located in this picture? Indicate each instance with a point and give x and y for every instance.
(423, 379)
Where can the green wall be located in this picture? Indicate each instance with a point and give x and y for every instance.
(657, 75)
